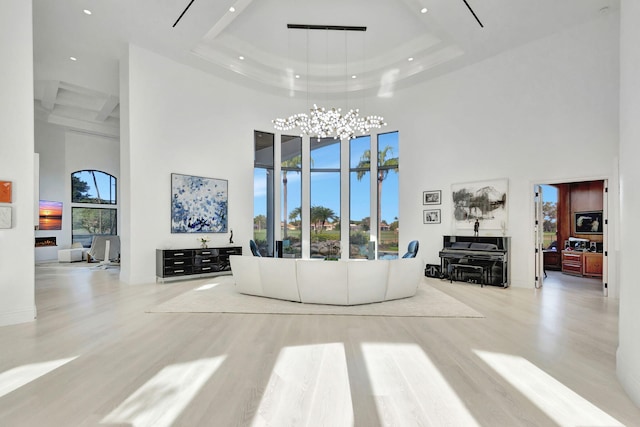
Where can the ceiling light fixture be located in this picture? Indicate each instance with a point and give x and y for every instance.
(329, 123)
(232, 9)
(241, 58)
(424, 10)
(73, 58)
(410, 59)
(87, 12)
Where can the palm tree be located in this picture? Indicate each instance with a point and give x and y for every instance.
(294, 162)
(384, 166)
(320, 214)
(260, 221)
(295, 213)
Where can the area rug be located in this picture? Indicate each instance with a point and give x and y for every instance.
(219, 296)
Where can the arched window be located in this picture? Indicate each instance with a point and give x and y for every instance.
(91, 187)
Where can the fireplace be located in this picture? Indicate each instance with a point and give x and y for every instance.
(45, 241)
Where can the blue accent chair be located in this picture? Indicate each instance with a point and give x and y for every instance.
(254, 248)
(412, 249)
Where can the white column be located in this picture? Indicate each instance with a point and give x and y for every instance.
(17, 278)
(628, 356)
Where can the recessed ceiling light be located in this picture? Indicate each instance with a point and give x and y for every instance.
(241, 58)
(423, 10)
(73, 58)
(297, 76)
(232, 9)
(87, 12)
(410, 59)
(354, 77)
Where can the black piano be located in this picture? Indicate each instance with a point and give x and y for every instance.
(483, 260)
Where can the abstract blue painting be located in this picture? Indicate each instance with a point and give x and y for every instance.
(198, 205)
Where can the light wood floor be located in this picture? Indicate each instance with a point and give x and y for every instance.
(539, 358)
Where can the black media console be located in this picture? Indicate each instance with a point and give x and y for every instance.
(177, 263)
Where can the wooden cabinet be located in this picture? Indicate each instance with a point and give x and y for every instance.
(592, 264)
(582, 263)
(552, 260)
(572, 262)
(175, 263)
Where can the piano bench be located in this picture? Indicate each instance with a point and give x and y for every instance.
(467, 273)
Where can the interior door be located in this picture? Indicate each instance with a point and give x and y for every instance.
(605, 238)
(538, 236)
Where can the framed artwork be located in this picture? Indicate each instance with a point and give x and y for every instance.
(431, 216)
(485, 201)
(50, 215)
(588, 222)
(5, 191)
(198, 204)
(432, 197)
(5, 216)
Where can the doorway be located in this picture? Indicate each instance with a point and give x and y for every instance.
(570, 228)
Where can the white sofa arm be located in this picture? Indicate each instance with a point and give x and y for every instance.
(246, 274)
(404, 276)
(278, 276)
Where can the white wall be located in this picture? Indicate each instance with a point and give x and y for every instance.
(49, 144)
(17, 161)
(62, 153)
(182, 121)
(542, 113)
(628, 354)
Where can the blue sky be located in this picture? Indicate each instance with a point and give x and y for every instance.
(549, 193)
(325, 186)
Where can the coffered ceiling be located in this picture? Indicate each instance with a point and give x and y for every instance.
(247, 41)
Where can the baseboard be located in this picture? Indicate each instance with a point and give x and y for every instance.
(628, 371)
(13, 317)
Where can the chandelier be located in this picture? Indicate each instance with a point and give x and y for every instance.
(325, 123)
(329, 122)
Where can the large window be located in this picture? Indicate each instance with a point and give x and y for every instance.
(387, 182)
(91, 186)
(89, 222)
(95, 188)
(324, 214)
(360, 199)
(310, 224)
(291, 195)
(549, 213)
(263, 197)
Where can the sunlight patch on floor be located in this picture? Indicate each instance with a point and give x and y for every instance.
(559, 402)
(410, 390)
(160, 400)
(17, 377)
(309, 385)
(207, 286)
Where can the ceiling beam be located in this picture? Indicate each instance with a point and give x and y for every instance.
(50, 94)
(107, 108)
(84, 126)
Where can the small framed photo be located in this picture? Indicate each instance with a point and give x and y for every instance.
(431, 216)
(431, 197)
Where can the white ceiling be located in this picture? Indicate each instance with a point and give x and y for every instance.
(83, 94)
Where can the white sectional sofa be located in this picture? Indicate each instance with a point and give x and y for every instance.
(327, 282)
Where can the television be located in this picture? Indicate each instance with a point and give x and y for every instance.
(588, 222)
